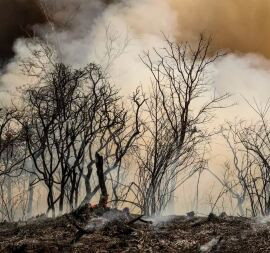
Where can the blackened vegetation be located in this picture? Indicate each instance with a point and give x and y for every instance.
(174, 146)
(109, 231)
(100, 173)
(67, 120)
(71, 122)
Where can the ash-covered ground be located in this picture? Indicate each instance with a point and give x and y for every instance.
(96, 230)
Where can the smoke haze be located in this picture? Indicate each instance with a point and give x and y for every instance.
(80, 32)
(238, 25)
(22, 18)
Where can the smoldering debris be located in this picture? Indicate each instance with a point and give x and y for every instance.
(109, 231)
(208, 247)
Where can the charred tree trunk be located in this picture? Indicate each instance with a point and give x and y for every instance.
(32, 176)
(61, 202)
(73, 186)
(88, 189)
(30, 196)
(101, 179)
(9, 196)
(50, 201)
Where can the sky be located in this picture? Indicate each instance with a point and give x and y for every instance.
(79, 29)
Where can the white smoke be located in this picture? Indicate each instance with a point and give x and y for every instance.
(82, 37)
(85, 28)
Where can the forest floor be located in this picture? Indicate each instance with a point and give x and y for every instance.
(94, 230)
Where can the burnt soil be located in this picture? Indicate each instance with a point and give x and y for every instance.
(69, 233)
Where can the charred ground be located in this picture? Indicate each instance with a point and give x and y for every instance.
(95, 230)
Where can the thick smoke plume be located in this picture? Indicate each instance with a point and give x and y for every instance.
(238, 25)
(79, 28)
(21, 18)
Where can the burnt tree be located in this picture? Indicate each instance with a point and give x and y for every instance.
(101, 180)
